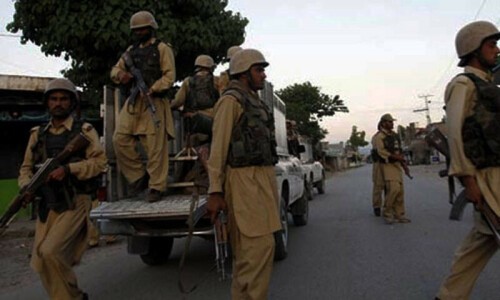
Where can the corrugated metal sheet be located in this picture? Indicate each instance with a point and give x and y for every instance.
(170, 206)
(23, 83)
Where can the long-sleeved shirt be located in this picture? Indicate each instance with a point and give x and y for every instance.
(95, 161)
(391, 170)
(182, 93)
(167, 66)
(460, 99)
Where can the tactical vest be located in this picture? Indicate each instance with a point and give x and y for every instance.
(481, 131)
(393, 144)
(202, 93)
(375, 156)
(59, 196)
(252, 141)
(147, 60)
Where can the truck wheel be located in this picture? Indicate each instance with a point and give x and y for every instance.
(159, 251)
(281, 236)
(321, 185)
(302, 218)
(308, 189)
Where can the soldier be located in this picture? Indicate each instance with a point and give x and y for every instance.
(242, 176)
(377, 176)
(224, 75)
(292, 137)
(388, 147)
(61, 232)
(155, 60)
(472, 122)
(198, 94)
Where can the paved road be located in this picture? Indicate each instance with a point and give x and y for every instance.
(343, 253)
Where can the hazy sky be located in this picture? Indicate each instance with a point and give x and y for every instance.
(379, 56)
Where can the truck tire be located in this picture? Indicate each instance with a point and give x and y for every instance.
(308, 188)
(159, 251)
(321, 185)
(281, 236)
(301, 218)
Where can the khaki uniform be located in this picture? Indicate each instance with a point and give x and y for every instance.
(223, 81)
(135, 123)
(393, 177)
(252, 197)
(479, 245)
(181, 95)
(60, 242)
(377, 179)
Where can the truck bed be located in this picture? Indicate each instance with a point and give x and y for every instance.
(170, 207)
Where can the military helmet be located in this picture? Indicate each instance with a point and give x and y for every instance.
(61, 84)
(472, 35)
(243, 60)
(143, 19)
(204, 61)
(232, 51)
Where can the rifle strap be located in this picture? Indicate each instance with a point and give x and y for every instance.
(182, 287)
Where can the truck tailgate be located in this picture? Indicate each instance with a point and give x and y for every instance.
(173, 206)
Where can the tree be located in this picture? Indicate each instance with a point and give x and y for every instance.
(308, 106)
(93, 34)
(357, 139)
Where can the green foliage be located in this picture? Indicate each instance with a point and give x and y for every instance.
(308, 106)
(357, 139)
(93, 34)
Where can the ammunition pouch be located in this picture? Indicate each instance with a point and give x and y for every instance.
(56, 196)
(201, 123)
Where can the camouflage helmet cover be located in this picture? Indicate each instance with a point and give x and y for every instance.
(143, 19)
(472, 35)
(204, 61)
(244, 59)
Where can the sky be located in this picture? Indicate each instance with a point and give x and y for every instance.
(378, 56)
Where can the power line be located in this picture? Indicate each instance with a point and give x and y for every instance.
(453, 57)
(426, 109)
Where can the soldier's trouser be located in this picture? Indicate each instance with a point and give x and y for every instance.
(93, 230)
(470, 259)
(252, 265)
(394, 199)
(130, 163)
(378, 185)
(59, 245)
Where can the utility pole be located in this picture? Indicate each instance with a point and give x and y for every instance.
(426, 109)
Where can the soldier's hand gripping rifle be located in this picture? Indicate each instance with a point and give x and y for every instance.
(40, 178)
(220, 234)
(140, 87)
(437, 140)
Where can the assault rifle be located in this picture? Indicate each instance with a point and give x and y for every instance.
(437, 140)
(139, 87)
(220, 234)
(40, 177)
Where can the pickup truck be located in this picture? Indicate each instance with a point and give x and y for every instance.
(314, 171)
(151, 228)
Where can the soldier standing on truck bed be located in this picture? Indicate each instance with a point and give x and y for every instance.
(61, 231)
(155, 61)
(242, 176)
(224, 75)
(472, 119)
(388, 146)
(198, 94)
